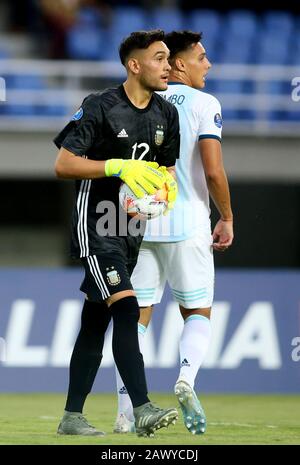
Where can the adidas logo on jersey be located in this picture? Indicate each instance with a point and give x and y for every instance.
(123, 390)
(185, 363)
(122, 133)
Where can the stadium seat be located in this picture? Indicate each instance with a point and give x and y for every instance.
(207, 21)
(26, 81)
(223, 87)
(128, 19)
(23, 82)
(51, 110)
(19, 110)
(89, 16)
(273, 49)
(237, 49)
(168, 19)
(84, 43)
(295, 49)
(292, 115)
(31, 82)
(228, 86)
(124, 21)
(278, 22)
(241, 23)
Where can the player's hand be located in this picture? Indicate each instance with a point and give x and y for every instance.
(223, 235)
(172, 187)
(136, 174)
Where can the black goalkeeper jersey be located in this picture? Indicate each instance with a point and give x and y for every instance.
(108, 125)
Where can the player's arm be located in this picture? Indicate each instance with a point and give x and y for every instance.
(217, 183)
(70, 166)
(139, 175)
(172, 171)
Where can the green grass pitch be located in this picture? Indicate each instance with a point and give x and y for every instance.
(232, 419)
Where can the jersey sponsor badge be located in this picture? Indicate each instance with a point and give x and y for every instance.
(113, 277)
(218, 120)
(159, 135)
(77, 115)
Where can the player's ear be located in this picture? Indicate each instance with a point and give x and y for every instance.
(179, 63)
(133, 65)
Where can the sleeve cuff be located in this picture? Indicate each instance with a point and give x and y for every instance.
(71, 149)
(209, 136)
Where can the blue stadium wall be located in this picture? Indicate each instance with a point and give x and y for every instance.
(255, 347)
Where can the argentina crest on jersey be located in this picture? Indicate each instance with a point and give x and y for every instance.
(113, 277)
(159, 135)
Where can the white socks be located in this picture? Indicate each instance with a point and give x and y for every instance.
(193, 346)
(124, 402)
(194, 342)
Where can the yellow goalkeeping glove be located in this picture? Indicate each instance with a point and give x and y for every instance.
(172, 187)
(136, 174)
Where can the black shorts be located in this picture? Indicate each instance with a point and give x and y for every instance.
(105, 275)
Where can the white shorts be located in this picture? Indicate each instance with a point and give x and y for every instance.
(187, 266)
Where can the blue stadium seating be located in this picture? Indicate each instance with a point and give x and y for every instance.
(168, 19)
(128, 19)
(25, 82)
(229, 87)
(85, 40)
(241, 23)
(292, 115)
(89, 16)
(236, 50)
(19, 110)
(207, 21)
(84, 43)
(278, 22)
(295, 48)
(124, 21)
(30, 82)
(273, 49)
(238, 37)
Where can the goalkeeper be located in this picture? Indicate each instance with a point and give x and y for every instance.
(128, 134)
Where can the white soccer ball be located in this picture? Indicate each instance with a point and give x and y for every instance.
(146, 208)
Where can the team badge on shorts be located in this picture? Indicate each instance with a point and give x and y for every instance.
(113, 276)
(159, 135)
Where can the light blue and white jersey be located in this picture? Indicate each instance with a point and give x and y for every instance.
(199, 118)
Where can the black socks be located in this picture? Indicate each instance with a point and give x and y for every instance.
(87, 353)
(125, 344)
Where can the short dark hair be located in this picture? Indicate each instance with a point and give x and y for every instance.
(179, 41)
(139, 40)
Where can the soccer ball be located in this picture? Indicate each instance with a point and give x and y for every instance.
(146, 208)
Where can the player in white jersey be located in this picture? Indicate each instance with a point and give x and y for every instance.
(178, 248)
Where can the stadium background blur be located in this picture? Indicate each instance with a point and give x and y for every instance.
(52, 54)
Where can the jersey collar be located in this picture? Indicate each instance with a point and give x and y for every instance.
(176, 84)
(128, 101)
